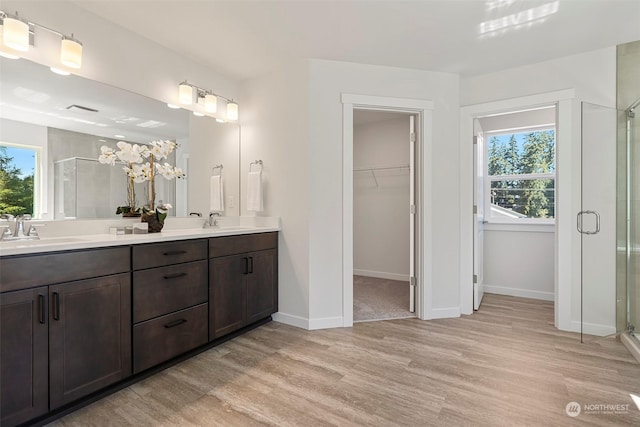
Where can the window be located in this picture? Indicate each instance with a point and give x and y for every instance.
(18, 166)
(521, 176)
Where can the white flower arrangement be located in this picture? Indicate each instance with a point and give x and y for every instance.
(137, 170)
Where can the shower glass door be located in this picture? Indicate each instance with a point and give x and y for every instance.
(596, 220)
(632, 213)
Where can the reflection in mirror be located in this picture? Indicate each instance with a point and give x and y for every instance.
(66, 119)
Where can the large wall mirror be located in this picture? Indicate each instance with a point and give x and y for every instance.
(53, 126)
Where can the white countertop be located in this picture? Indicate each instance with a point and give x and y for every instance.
(97, 240)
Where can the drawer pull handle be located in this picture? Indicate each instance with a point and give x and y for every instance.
(175, 253)
(175, 323)
(56, 306)
(174, 276)
(41, 309)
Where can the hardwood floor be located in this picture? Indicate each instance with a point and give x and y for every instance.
(506, 365)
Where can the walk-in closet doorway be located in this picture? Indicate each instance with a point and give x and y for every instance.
(383, 215)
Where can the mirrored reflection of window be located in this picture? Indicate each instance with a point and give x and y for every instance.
(18, 166)
(521, 172)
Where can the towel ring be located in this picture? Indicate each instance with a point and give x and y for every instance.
(256, 162)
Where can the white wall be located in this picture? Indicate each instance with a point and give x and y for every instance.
(212, 143)
(328, 80)
(380, 211)
(592, 76)
(275, 129)
(520, 262)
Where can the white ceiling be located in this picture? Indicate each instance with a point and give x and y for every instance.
(243, 39)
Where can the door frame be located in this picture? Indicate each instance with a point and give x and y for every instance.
(423, 110)
(566, 179)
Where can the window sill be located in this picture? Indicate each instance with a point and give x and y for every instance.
(540, 227)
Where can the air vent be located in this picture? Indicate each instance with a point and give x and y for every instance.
(75, 107)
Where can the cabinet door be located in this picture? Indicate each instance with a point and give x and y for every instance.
(90, 336)
(262, 290)
(227, 290)
(24, 355)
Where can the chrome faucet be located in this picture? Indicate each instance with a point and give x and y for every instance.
(20, 219)
(214, 221)
(6, 229)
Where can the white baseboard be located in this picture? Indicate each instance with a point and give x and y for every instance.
(291, 320)
(632, 345)
(308, 324)
(326, 323)
(381, 275)
(444, 313)
(515, 292)
(593, 329)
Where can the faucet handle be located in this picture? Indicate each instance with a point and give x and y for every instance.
(8, 217)
(6, 232)
(33, 229)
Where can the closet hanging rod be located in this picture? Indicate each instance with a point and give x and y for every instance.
(378, 168)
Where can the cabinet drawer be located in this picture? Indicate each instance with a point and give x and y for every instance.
(231, 245)
(158, 340)
(161, 290)
(28, 271)
(162, 254)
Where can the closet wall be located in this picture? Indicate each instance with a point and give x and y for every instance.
(381, 202)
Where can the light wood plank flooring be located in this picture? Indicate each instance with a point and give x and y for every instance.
(503, 366)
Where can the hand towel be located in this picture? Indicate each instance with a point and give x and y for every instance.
(254, 192)
(216, 195)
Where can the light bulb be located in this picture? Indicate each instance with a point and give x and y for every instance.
(185, 93)
(71, 52)
(15, 33)
(232, 111)
(210, 103)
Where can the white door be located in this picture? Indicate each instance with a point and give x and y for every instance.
(412, 215)
(478, 214)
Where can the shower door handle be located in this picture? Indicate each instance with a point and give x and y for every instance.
(579, 222)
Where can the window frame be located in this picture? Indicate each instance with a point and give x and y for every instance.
(488, 179)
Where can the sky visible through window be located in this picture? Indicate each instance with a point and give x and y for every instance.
(23, 158)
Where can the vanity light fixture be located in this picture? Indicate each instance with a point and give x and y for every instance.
(18, 34)
(4, 51)
(15, 33)
(232, 111)
(206, 101)
(185, 93)
(71, 52)
(210, 103)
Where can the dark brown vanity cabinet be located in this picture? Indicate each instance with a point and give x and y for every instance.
(170, 301)
(24, 353)
(64, 332)
(89, 336)
(243, 282)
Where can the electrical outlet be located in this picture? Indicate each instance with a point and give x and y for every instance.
(232, 202)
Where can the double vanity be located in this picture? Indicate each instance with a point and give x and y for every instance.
(84, 315)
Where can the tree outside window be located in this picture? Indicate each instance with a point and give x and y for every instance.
(16, 182)
(521, 171)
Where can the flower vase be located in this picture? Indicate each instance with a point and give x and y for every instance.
(151, 218)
